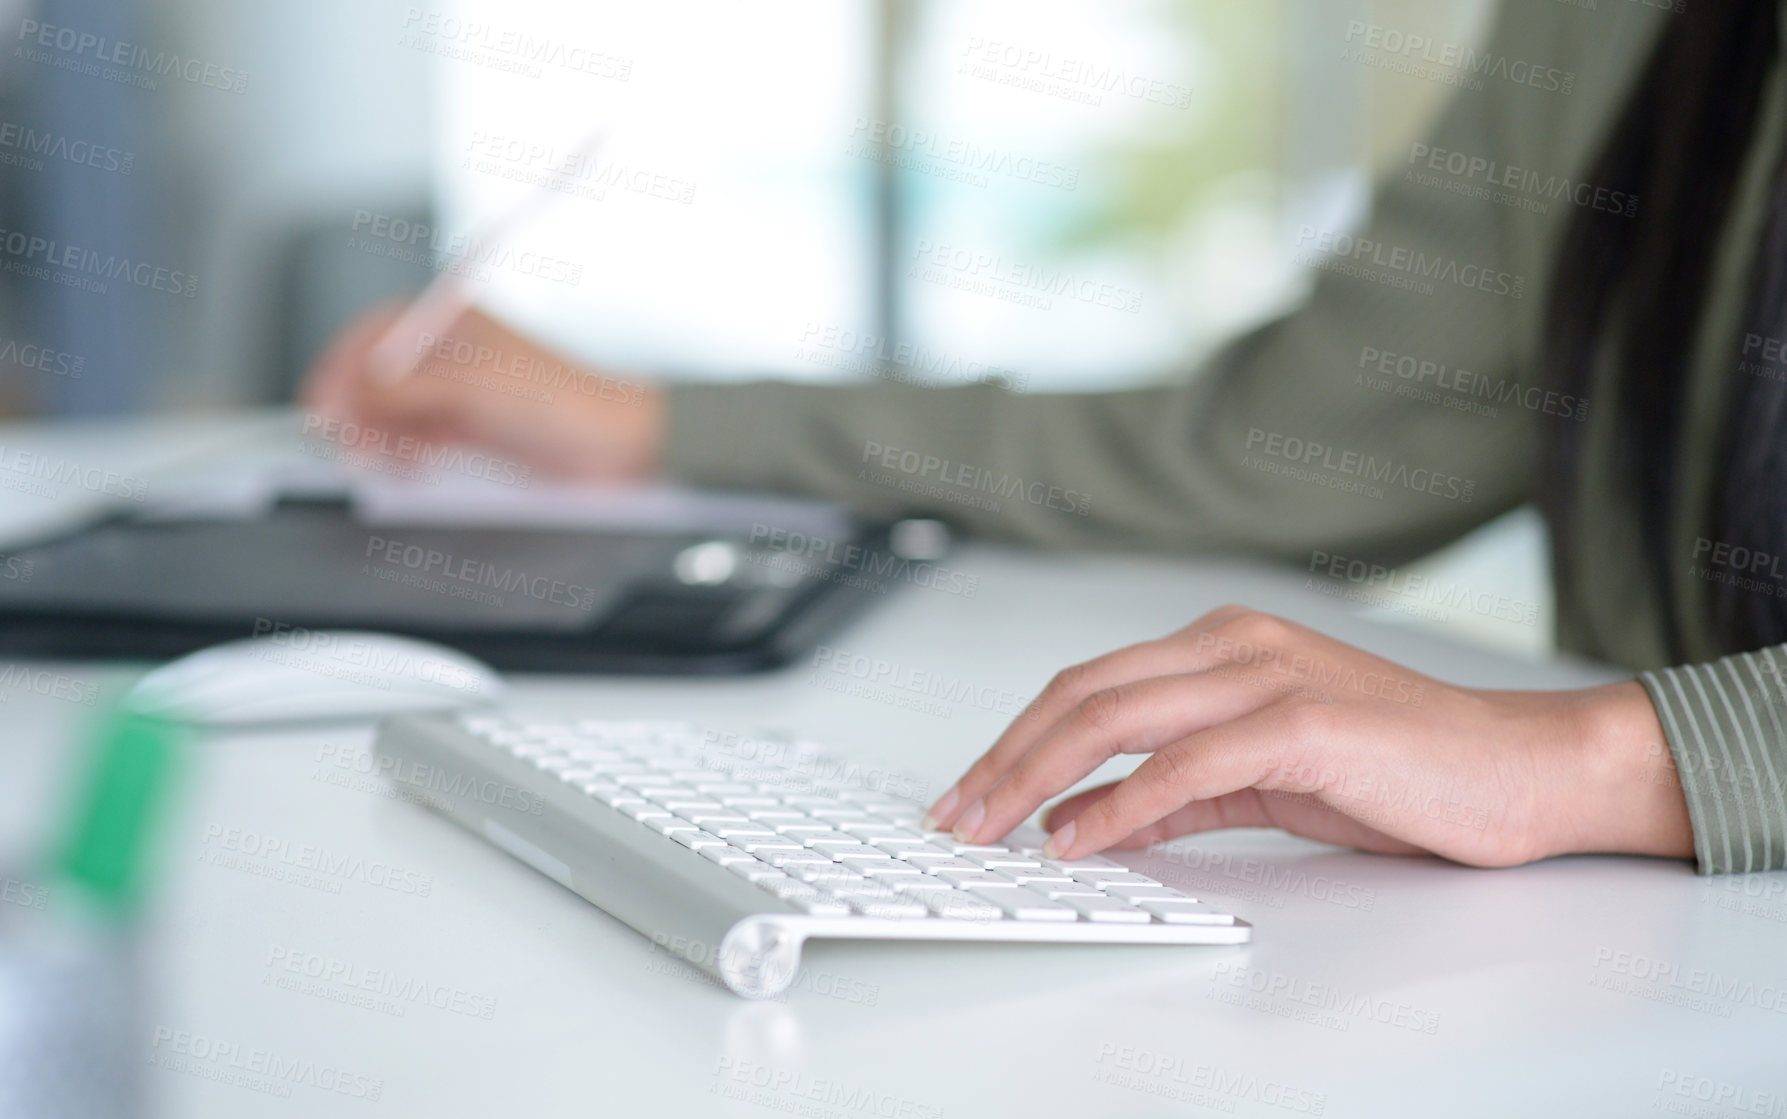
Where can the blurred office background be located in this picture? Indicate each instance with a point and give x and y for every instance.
(801, 188)
(819, 143)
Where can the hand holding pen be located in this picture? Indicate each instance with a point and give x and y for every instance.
(485, 384)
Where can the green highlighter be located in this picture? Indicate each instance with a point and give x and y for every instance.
(72, 1033)
(104, 853)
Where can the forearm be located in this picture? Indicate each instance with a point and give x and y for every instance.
(1185, 467)
(894, 450)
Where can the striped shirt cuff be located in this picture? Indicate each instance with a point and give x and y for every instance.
(1726, 722)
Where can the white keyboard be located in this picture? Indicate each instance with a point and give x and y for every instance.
(732, 864)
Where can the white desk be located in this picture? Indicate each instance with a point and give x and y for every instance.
(1374, 986)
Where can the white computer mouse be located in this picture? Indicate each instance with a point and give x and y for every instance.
(296, 675)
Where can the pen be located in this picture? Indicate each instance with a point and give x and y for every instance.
(448, 296)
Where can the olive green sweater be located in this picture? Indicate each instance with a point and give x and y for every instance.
(1391, 412)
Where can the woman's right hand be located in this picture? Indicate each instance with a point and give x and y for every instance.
(483, 384)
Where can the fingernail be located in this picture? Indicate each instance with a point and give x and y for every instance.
(971, 821)
(1059, 843)
(941, 809)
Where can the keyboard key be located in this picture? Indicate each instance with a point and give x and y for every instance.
(960, 905)
(1038, 878)
(1101, 877)
(920, 886)
(1137, 893)
(964, 877)
(644, 810)
(960, 849)
(1090, 862)
(686, 808)
(836, 847)
(590, 773)
(805, 830)
(713, 821)
(912, 850)
(1021, 902)
(795, 858)
(725, 789)
(736, 832)
(872, 832)
(765, 847)
(890, 869)
(998, 862)
(669, 825)
(865, 888)
(905, 815)
(1179, 911)
(1098, 907)
(873, 902)
(1065, 894)
(825, 812)
(866, 796)
(863, 862)
(807, 898)
(697, 840)
(934, 864)
(901, 830)
(658, 792)
(726, 855)
(595, 754)
(755, 871)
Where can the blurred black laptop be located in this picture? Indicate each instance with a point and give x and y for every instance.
(525, 577)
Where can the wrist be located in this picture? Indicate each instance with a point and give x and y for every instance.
(646, 437)
(1625, 794)
(620, 435)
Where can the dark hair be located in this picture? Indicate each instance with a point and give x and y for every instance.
(1631, 290)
